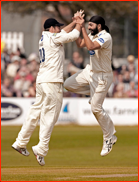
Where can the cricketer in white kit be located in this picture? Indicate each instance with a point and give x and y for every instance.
(97, 77)
(49, 87)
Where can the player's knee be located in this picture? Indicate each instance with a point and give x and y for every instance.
(96, 112)
(95, 108)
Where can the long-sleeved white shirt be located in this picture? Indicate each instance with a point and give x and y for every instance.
(100, 60)
(52, 56)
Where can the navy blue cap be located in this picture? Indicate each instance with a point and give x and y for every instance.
(51, 22)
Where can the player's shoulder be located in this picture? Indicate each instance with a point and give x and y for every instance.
(104, 33)
(59, 34)
(45, 35)
(104, 36)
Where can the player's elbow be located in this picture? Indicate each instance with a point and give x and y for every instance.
(77, 36)
(90, 48)
(79, 46)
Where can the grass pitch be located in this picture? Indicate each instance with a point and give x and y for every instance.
(74, 155)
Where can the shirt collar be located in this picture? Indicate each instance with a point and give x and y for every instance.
(46, 32)
(101, 32)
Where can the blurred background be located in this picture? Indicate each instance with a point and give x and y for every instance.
(21, 28)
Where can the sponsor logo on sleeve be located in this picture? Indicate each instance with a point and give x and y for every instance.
(101, 40)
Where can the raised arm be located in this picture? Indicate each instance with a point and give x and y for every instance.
(70, 27)
(80, 42)
(86, 40)
(72, 35)
(73, 24)
(89, 44)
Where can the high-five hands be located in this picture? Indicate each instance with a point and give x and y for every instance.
(79, 17)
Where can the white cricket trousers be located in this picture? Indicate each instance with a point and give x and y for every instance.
(96, 85)
(46, 108)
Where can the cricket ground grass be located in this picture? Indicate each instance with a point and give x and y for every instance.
(74, 155)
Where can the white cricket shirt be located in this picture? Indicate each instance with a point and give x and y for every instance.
(100, 60)
(51, 51)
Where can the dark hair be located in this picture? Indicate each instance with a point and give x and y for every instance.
(99, 20)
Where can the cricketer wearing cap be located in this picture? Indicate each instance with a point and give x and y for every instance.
(49, 87)
(97, 77)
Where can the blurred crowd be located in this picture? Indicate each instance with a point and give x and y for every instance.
(125, 80)
(19, 72)
(125, 77)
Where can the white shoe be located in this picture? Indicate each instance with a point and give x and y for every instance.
(22, 151)
(107, 145)
(39, 158)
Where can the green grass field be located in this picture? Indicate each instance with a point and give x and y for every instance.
(74, 155)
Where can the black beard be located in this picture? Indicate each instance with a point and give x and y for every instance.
(95, 31)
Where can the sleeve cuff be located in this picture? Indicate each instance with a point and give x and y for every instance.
(76, 32)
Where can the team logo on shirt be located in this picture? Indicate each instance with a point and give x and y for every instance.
(92, 52)
(101, 40)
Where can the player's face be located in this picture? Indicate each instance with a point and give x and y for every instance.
(57, 29)
(93, 28)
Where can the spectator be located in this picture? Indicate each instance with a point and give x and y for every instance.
(28, 75)
(136, 80)
(33, 64)
(132, 92)
(76, 64)
(20, 54)
(126, 80)
(132, 71)
(131, 60)
(7, 89)
(5, 57)
(23, 62)
(122, 69)
(31, 91)
(13, 67)
(22, 84)
(2, 68)
(120, 93)
(117, 78)
(126, 77)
